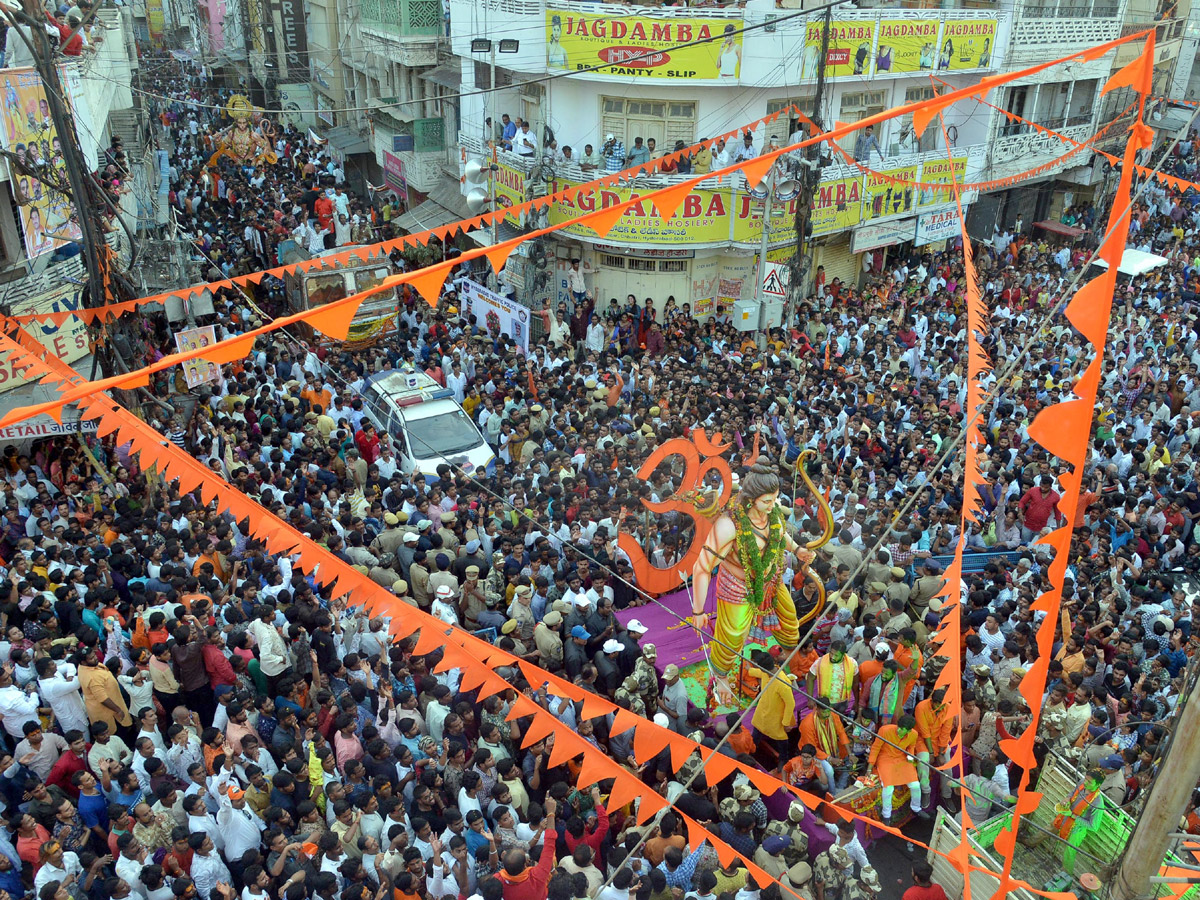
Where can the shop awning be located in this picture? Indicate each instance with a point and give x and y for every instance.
(446, 76)
(1059, 228)
(425, 216)
(505, 231)
(347, 140)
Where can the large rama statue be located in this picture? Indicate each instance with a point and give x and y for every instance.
(746, 547)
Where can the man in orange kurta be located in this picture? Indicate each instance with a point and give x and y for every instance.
(893, 759)
(935, 726)
(825, 732)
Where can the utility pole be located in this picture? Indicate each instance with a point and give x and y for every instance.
(810, 183)
(1169, 795)
(79, 178)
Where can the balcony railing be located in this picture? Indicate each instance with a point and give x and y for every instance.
(407, 18)
(1048, 9)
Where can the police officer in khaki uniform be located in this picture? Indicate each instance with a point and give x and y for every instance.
(875, 602)
(473, 600)
(511, 629)
(927, 586)
(548, 641)
(450, 540)
(897, 589)
(521, 610)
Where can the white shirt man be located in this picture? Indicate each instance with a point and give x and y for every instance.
(60, 690)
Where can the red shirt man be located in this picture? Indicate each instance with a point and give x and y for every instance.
(1039, 504)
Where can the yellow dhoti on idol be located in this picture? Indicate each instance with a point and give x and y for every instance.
(738, 622)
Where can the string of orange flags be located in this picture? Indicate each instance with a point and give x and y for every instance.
(420, 238)
(1064, 429)
(1180, 184)
(333, 319)
(921, 111)
(477, 659)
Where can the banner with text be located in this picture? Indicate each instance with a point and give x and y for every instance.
(496, 314)
(837, 205)
(849, 53)
(68, 341)
(906, 45)
(641, 46)
(938, 226)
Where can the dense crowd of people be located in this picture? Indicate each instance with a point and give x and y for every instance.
(186, 714)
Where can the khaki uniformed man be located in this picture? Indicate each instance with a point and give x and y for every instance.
(474, 598)
(897, 589)
(548, 641)
(392, 537)
(629, 691)
(449, 538)
(875, 602)
(418, 580)
(769, 855)
(511, 629)
(927, 586)
(831, 872)
(799, 879)
(522, 611)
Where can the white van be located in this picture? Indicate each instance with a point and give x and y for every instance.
(427, 426)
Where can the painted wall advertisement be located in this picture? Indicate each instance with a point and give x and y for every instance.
(706, 274)
(938, 226)
(906, 45)
(849, 52)
(296, 104)
(47, 216)
(883, 197)
(196, 371)
(967, 44)
(69, 341)
(496, 314)
(639, 46)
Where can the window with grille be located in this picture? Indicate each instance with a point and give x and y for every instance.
(672, 265)
(859, 105)
(1083, 97)
(1015, 101)
(788, 125)
(904, 140)
(612, 262)
(641, 265)
(1052, 104)
(666, 121)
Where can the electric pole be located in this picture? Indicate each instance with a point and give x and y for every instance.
(810, 183)
(1169, 795)
(78, 177)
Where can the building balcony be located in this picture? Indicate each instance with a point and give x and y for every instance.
(1019, 148)
(402, 18)
(1048, 29)
(725, 211)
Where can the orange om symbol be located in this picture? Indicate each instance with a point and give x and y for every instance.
(701, 456)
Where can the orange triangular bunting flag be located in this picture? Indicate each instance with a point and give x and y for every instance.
(602, 221)
(230, 350)
(1137, 74)
(756, 169)
(498, 254)
(428, 283)
(55, 413)
(333, 321)
(667, 200)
